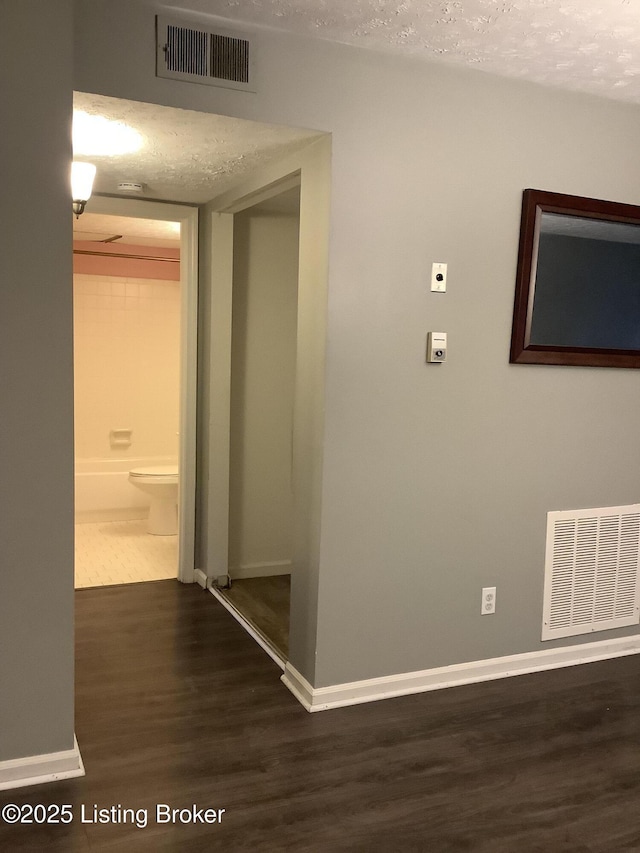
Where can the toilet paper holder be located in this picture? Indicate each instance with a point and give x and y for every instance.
(120, 438)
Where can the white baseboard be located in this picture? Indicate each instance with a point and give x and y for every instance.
(373, 689)
(201, 579)
(37, 769)
(300, 688)
(92, 516)
(260, 570)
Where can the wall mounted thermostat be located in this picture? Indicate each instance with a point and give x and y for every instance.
(436, 347)
(439, 278)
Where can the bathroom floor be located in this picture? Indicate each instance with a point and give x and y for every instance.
(116, 552)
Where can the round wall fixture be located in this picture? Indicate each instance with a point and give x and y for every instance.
(130, 187)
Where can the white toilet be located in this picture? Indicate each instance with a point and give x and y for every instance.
(160, 484)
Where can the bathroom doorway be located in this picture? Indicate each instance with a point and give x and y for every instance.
(135, 302)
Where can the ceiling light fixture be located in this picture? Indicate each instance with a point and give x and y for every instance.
(82, 175)
(99, 136)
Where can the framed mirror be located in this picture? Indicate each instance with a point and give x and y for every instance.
(577, 296)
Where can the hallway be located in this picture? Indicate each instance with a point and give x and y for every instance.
(177, 705)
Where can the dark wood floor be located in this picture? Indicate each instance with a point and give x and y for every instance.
(177, 705)
(264, 603)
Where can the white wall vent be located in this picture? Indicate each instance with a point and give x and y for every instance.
(591, 571)
(201, 55)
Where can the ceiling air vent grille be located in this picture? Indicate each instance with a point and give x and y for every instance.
(201, 55)
(229, 58)
(186, 51)
(591, 571)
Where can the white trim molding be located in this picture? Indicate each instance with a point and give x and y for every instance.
(37, 769)
(403, 684)
(201, 579)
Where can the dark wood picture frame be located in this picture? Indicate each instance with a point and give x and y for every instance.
(534, 204)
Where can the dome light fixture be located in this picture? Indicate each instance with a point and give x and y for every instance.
(82, 175)
(97, 136)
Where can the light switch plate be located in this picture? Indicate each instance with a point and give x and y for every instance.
(439, 278)
(436, 347)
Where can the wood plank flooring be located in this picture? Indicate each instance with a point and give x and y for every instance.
(177, 705)
(264, 603)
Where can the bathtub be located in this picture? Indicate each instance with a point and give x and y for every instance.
(103, 491)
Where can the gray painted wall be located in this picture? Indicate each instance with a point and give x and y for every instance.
(437, 479)
(36, 381)
(263, 362)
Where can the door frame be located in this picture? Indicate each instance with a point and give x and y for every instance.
(311, 167)
(187, 216)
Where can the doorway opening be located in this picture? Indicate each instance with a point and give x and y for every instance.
(135, 292)
(308, 174)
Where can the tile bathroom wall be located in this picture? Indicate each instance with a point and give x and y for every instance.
(127, 354)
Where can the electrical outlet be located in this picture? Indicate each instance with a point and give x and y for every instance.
(488, 600)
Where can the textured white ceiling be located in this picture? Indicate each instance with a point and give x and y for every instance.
(587, 45)
(187, 156)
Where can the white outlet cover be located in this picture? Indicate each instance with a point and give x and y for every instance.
(488, 600)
